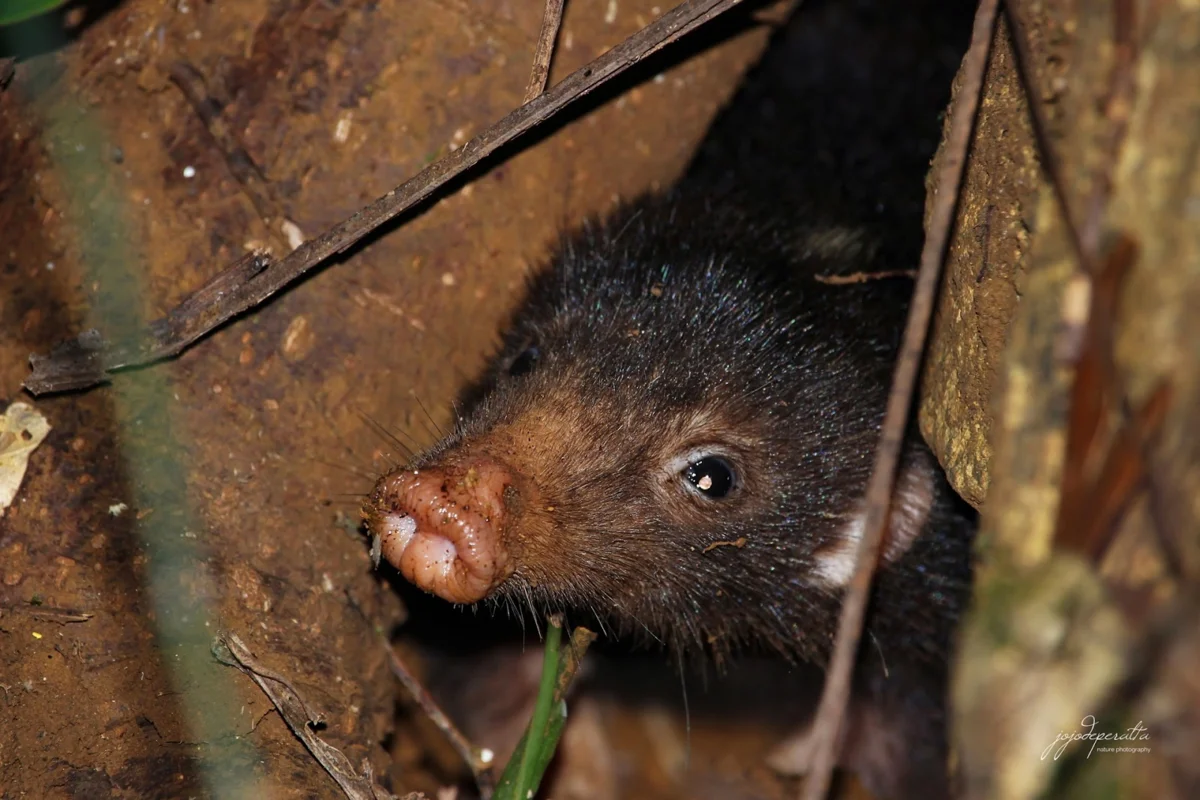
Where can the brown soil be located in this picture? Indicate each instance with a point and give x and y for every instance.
(243, 457)
(220, 491)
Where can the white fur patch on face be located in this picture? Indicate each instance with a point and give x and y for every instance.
(835, 566)
(911, 502)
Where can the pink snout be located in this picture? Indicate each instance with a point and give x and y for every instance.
(442, 528)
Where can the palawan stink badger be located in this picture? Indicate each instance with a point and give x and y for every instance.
(677, 433)
(676, 436)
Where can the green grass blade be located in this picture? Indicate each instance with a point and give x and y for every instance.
(13, 11)
(523, 773)
(537, 730)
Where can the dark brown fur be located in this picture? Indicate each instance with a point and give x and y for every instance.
(695, 322)
(679, 325)
(686, 325)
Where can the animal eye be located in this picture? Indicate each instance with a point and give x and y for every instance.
(526, 361)
(711, 476)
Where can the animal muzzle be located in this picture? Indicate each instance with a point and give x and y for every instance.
(443, 527)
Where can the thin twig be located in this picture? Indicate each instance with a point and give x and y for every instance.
(195, 90)
(481, 766)
(864, 277)
(1122, 474)
(542, 56)
(62, 616)
(1091, 398)
(230, 650)
(1097, 487)
(80, 364)
(241, 165)
(581, 640)
(830, 713)
(1118, 105)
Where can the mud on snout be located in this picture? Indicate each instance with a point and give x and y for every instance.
(443, 527)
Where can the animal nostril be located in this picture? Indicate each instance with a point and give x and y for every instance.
(711, 476)
(444, 529)
(511, 499)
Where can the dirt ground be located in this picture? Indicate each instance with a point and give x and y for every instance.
(220, 491)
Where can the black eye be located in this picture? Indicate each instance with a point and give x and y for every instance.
(712, 476)
(526, 361)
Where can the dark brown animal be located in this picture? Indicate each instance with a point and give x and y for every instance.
(675, 439)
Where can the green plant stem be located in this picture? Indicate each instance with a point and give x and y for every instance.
(14, 11)
(524, 771)
(536, 735)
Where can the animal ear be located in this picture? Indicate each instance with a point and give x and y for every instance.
(911, 504)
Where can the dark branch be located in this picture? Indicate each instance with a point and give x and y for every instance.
(551, 22)
(830, 713)
(90, 360)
